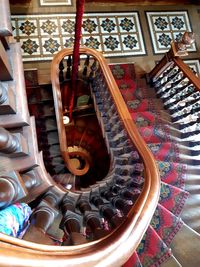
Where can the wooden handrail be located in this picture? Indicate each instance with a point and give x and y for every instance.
(118, 246)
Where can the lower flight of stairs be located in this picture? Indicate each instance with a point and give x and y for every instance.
(41, 106)
(168, 240)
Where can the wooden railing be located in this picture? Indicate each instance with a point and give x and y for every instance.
(170, 58)
(27, 173)
(126, 237)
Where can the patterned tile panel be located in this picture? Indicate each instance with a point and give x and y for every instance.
(115, 34)
(166, 27)
(194, 64)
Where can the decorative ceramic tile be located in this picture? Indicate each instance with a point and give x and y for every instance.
(115, 34)
(55, 3)
(194, 64)
(30, 47)
(166, 27)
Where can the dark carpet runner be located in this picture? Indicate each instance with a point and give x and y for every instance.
(145, 110)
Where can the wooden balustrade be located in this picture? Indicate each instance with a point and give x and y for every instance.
(127, 232)
(171, 59)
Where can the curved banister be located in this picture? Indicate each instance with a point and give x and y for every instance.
(115, 248)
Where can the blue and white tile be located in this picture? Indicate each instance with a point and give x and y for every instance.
(27, 27)
(108, 25)
(67, 25)
(108, 32)
(48, 26)
(111, 43)
(30, 47)
(92, 41)
(127, 24)
(90, 26)
(50, 46)
(167, 25)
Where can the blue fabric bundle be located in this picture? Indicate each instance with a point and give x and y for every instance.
(14, 219)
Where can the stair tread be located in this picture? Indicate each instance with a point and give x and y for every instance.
(185, 247)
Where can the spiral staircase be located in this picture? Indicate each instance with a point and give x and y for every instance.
(93, 183)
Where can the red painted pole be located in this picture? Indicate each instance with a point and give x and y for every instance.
(78, 26)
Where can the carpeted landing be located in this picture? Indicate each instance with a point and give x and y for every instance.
(164, 140)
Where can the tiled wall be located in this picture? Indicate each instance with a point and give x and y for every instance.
(123, 33)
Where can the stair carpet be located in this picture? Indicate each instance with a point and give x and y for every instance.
(157, 125)
(154, 124)
(41, 106)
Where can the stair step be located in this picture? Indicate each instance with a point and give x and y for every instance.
(185, 247)
(171, 262)
(172, 198)
(144, 105)
(165, 151)
(146, 118)
(172, 173)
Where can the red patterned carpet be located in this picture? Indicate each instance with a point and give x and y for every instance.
(154, 248)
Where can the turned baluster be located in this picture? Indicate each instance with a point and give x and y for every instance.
(121, 204)
(83, 205)
(133, 184)
(71, 224)
(52, 200)
(96, 200)
(8, 191)
(69, 64)
(67, 204)
(94, 226)
(3, 94)
(72, 228)
(29, 179)
(86, 64)
(107, 194)
(115, 188)
(93, 69)
(119, 180)
(9, 143)
(61, 68)
(111, 215)
(127, 194)
(43, 218)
